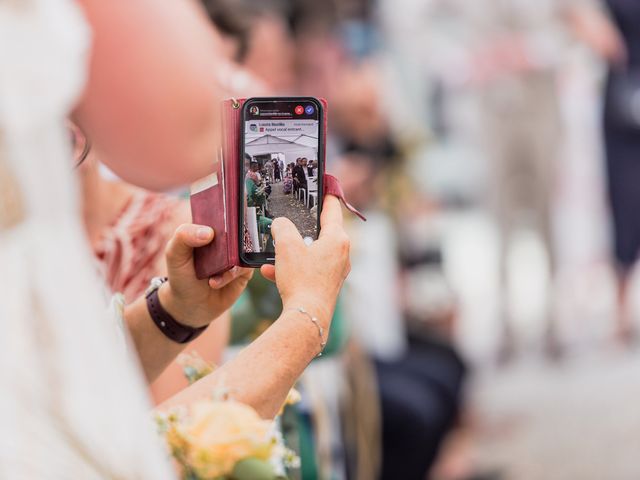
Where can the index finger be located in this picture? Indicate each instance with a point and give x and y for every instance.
(331, 213)
(284, 232)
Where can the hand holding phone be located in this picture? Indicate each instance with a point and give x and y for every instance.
(271, 165)
(311, 276)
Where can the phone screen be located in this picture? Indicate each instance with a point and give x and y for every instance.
(281, 171)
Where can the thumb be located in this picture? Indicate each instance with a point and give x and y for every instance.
(268, 272)
(179, 250)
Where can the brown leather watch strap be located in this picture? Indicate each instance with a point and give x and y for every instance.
(167, 324)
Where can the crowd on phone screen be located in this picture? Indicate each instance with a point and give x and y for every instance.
(258, 188)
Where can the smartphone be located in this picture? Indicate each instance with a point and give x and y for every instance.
(282, 167)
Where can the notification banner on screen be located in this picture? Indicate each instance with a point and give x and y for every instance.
(257, 128)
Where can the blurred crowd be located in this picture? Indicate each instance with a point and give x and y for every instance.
(436, 108)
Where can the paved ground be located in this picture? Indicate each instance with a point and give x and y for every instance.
(577, 420)
(535, 419)
(281, 205)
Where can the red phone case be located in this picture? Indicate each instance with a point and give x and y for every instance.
(214, 199)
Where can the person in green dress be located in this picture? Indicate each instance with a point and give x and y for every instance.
(257, 197)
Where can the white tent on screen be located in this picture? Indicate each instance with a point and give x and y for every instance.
(297, 147)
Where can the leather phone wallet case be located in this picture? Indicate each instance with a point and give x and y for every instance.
(215, 198)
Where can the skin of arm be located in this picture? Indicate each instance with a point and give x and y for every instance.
(155, 351)
(150, 104)
(210, 346)
(264, 372)
(188, 304)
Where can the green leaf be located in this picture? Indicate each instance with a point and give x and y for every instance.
(253, 469)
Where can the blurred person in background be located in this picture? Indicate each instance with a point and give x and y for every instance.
(514, 66)
(622, 149)
(233, 21)
(418, 371)
(516, 51)
(270, 54)
(417, 62)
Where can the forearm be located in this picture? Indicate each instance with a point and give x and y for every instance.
(209, 346)
(264, 372)
(155, 351)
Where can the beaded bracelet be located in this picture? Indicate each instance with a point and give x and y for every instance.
(314, 320)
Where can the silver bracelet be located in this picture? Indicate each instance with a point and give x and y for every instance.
(314, 320)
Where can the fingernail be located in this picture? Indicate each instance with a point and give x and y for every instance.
(215, 279)
(203, 233)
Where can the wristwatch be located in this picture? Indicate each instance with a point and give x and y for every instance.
(168, 325)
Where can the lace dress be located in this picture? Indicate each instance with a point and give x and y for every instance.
(72, 405)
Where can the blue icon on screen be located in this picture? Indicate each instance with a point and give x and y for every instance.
(309, 110)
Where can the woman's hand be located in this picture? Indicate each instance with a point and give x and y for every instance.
(311, 276)
(306, 276)
(596, 29)
(191, 301)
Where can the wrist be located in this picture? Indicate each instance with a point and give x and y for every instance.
(322, 332)
(322, 310)
(183, 313)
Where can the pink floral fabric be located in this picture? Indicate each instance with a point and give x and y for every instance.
(131, 252)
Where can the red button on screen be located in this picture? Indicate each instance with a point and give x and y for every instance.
(299, 110)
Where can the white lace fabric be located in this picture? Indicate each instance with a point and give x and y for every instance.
(72, 405)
